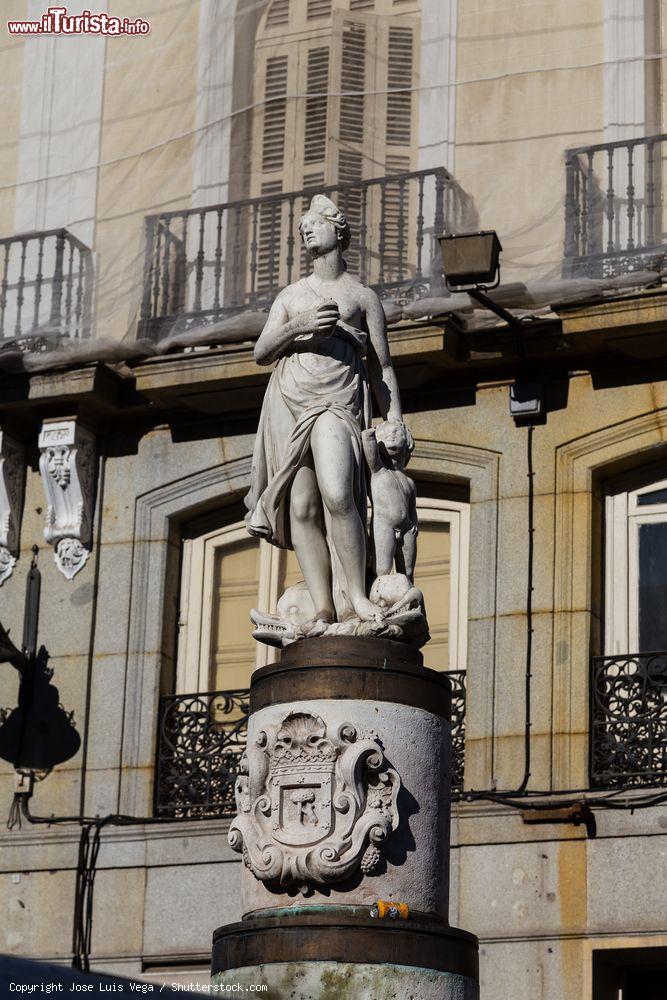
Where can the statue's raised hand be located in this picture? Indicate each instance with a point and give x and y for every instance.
(321, 320)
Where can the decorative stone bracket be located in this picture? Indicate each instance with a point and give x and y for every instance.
(11, 502)
(67, 466)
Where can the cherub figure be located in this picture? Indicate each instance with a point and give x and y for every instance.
(388, 448)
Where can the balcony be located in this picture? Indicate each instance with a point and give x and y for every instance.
(458, 682)
(202, 737)
(629, 720)
(614, 208)
(45, 288)
(205, 263)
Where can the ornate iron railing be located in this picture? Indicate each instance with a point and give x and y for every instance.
(629, 720)
(202, 737)
(201, 740)
(45, 286)
(203, 263)
(614, 208)
(458, 680)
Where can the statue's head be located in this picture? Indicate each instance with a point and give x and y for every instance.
(324, 227)
(396, 440)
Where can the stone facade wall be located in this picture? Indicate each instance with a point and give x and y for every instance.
(539, 897)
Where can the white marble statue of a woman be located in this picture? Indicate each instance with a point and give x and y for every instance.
(328, 334)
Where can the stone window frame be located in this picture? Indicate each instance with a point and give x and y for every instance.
(193, 670)
(159, 516)
(582, 465)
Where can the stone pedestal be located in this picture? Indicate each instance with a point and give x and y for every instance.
(345, 802)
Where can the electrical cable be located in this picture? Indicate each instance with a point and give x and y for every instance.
(86, 868)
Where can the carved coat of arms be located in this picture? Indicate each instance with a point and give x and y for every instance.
(312, 808)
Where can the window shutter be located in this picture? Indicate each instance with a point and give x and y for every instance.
(275, 111)
(270, 238)
(316, 105)
(399, 83)
(278, 14)
(318, 8)
(310, 180)
(362, 4)
(352, 82)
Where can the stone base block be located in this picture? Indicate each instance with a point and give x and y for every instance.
(316, 956)
(343, 981)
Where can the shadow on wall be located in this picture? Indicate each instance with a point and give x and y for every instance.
(39, 733)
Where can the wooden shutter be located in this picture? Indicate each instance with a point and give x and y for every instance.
(275, 114)
(352, 82)
(400, 72)
(318, 8)
(278, 13)
(400, 152)
(317, 82)
(354, 133)
(269, 250)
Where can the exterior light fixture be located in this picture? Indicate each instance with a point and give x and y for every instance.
(471, 263)
(471, 259)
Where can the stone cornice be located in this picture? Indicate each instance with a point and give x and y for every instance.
(609, 334)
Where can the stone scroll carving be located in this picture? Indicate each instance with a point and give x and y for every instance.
(11, 502)
(67, 466)
(313, 807)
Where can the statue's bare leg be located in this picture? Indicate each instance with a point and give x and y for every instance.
(385, 544)
(309, 542)
(333, 457)
(406, 554)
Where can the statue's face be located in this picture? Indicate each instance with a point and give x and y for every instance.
(392, 435)
(318, 234)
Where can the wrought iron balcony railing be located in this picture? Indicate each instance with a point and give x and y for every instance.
(629, 720)
(201, 740)
(45, 286)
(458, 681)
(204, 263)
(614, 208)
(202, 737)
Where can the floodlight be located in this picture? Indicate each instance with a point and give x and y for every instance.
(470, 258)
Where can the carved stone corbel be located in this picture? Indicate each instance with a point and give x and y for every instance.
(67, 466)
(11, 502)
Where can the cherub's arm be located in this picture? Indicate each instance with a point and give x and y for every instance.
(279, 331)
(371, 450)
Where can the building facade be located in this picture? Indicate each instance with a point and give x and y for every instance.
(149, 205)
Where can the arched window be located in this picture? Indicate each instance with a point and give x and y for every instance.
(226, 572)
(628, 707)
(354, 64)
(636, 564)
(334, 93)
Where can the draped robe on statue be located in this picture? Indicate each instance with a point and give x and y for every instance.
(331, 375)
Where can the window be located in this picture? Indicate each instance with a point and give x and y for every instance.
(636, 566)
(442, 576)
(226, 572)
(629, 973)
(335, 105)
(628, 706)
